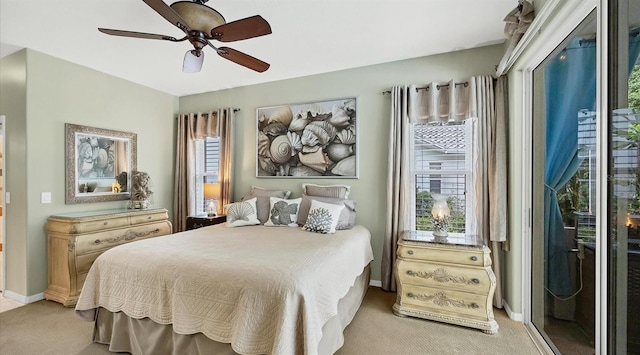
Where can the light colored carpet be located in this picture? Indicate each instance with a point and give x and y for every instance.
(46, 327)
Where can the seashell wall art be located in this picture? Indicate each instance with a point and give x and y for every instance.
(316, 139)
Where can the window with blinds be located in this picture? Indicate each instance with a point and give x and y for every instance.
(207, 165)
(441, 163)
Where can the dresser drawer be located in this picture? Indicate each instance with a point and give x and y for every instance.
(446, 302)
(101, 241)
(148, 218)
(473, 257)
(91, 225)
(454, 277)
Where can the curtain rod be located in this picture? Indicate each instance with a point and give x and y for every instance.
(234, 110)
(466, 83)
(589, 40)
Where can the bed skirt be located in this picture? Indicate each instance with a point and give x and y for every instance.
(143, 336)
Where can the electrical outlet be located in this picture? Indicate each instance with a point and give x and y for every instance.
(45, 197)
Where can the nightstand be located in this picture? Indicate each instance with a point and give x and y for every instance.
(448, 280)
(195, 222)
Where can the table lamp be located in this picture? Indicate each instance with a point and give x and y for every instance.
(212, 193)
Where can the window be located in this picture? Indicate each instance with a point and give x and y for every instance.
(207, 162)
(441, 163)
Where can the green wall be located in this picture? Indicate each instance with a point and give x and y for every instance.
(59, 92)
(367, 84)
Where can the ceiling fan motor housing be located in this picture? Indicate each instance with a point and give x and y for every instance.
(199, 17)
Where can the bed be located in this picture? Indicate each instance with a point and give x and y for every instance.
(249, 290)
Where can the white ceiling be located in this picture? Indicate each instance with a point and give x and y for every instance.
(309, 36)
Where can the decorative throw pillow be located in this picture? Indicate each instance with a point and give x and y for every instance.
(323, 217)
(283, 212)
(259, 191)
(339, 191)
(262, 205)
(347, 219)
(242, 213)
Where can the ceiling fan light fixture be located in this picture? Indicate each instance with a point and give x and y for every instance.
(198, 16)
(192, 61)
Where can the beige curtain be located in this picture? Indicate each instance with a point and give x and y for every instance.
(485, 108)
(489, 166)
(398, 182)
(516, 24)
(191, 127)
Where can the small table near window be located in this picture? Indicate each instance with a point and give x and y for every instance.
(195, 222)
(448, 280)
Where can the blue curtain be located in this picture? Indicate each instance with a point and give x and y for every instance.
(570, 86)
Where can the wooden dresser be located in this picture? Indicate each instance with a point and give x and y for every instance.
(445, 280)
(76, 240)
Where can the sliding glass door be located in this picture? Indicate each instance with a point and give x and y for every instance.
(621, 137)
(586, 186)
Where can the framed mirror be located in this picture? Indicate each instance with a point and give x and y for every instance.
(99, 163)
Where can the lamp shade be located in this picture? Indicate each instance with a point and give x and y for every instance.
(212, 190)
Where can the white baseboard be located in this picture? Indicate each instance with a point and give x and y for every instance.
(514, 316)
(375, 283)
(22, 298)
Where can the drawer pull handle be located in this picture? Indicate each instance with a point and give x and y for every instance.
(474, 258)
(409, 272)
(410, 252)
(475, 281)
(410, 295)
(474, 305)
(105, 223)
(149, 217)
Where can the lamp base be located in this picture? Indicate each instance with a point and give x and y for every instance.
(440, 233)
(212, 214)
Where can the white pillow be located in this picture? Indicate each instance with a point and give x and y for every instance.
(283, 212)
(242, 213)
(323, 217)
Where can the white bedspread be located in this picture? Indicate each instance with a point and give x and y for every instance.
(262, 289)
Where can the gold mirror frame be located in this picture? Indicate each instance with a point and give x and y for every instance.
(99, 163)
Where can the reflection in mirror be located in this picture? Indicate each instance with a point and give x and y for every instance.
(98, 164)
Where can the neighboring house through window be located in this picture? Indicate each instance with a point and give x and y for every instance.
(207, 163)
(441, 163)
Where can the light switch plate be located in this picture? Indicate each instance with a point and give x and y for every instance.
(7, 197)
(45, 197)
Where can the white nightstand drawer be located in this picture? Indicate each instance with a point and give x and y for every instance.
(475, 257)
(446, 302)
(446, 276)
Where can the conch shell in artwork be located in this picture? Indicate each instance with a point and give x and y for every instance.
(303, 171)
(339, 117)
(345, 167)
(317, 161)
(338, 151)
(281, 114)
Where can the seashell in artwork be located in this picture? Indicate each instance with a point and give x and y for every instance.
(306, 149)
(346, 136)
(318, 133)
(303, 171)
(298, 124)
(350, 107)
(295, 140)
(312, 112)
(281, 149)
(345, 167)
(275, 129)
(239, 211)
(267, 166)
(338, 151)
(339, 117)
(317, 161)
(263, 144)
(281, 114)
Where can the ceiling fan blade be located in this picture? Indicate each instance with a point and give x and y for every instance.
(249, 27)
(135, 34)
(165, 11)
(243, 59)
(193, 60)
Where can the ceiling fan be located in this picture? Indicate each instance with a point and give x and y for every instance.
(201, 24)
